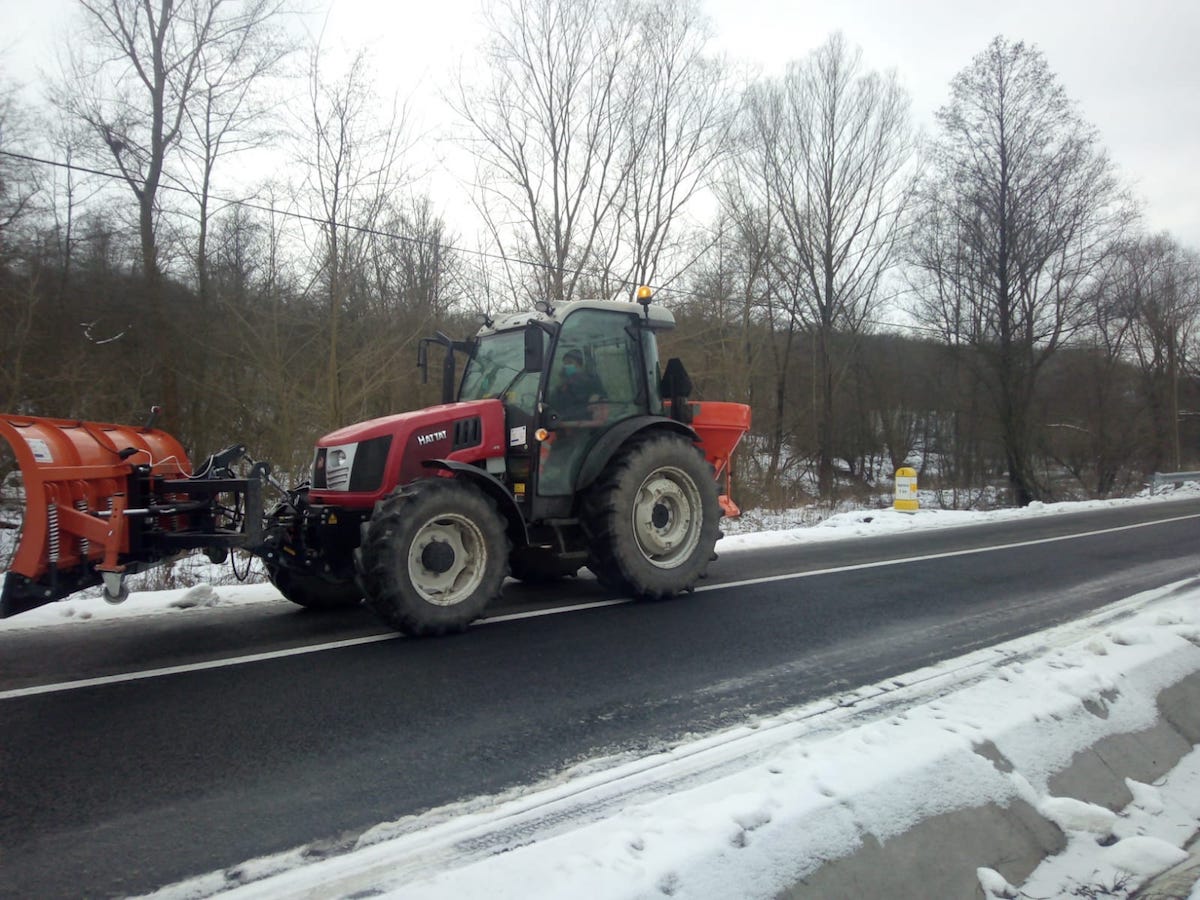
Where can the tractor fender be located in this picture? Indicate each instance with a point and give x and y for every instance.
(603, 450)
(494, 488)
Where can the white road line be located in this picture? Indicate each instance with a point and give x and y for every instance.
(537, 613)
(948, 554)
(191, 667)
(558, 610)
(270, 654)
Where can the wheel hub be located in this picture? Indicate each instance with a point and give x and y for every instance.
(661, 516)
(446, 559)
(437, 557)
(667, 517)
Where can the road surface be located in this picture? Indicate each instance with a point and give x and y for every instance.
(125, 785)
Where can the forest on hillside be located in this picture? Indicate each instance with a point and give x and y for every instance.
(980, 302)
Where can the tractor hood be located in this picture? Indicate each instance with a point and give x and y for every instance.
(360, 464)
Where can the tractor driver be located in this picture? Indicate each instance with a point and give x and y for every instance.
(576, 389)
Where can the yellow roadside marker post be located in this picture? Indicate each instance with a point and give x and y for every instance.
(906, 491)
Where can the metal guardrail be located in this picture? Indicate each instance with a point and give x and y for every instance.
(1161, 478)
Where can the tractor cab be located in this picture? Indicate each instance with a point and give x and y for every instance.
(567, 377)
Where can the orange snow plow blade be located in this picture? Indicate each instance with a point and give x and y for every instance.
(100, 501)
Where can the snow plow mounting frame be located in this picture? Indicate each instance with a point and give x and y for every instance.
(102, 501)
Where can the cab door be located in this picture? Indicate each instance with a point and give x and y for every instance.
(520, 416)
(580, 406)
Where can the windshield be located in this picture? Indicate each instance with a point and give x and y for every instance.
(496, 363)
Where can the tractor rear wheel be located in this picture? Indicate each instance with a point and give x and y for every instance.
(653, 517)
(433, 555)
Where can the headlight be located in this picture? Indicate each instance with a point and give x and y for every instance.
(351, 467)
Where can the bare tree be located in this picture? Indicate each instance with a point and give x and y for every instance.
(411, 283)
(1160, 289)
(830, 154)
(594, 127)
(19, 297)
(679, 134)
(70, 191)
(275, 392)
(354, 163)
(18, 180)
(1018, 214)
(549, 128)
(412, 264)
(134, 77)
(1094, 418)
(228, 116)
(767, 304)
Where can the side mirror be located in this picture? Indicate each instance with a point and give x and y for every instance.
(449, 377)
(535, 354)
(423, 359)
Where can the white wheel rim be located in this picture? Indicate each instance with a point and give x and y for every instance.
(447, 574)
(667, 517)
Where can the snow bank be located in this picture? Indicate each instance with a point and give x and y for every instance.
(754, 810)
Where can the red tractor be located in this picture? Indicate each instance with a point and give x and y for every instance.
(564, 444)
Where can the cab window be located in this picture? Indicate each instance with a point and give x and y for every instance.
(495, 364)
(597, 361)
(597, 378)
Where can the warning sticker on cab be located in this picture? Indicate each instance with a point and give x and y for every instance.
(516, 436)
(41, 450)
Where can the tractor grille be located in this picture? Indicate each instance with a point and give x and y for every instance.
(351, 467)
(468, 433)
(338, 479)
(331, 470)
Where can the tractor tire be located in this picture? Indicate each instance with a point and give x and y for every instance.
(433, 555)
(313, 591)
(653, 517)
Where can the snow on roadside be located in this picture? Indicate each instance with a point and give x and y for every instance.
(83, 609)
(782, 530)
(201, 585)
(749, 811)
(756, 832)
(746, 812)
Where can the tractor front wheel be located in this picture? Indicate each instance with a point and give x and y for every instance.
(307, 589)
(313, 591)
(653, 518)
(433, 555)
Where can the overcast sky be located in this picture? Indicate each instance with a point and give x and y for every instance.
(1133, 67)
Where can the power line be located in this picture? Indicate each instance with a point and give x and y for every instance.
(378, 232)
(305, 217)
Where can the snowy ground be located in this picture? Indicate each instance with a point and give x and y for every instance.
(748, 811)
(194, 583)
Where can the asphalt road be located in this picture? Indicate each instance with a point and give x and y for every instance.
(119, 788)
